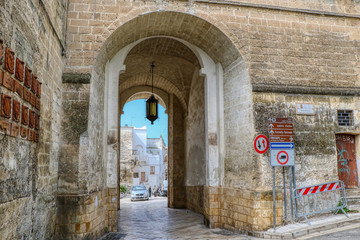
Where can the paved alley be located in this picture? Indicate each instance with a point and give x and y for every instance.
(153, 220)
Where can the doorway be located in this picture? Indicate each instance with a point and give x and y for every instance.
(346, 160)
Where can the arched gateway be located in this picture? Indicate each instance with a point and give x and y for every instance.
(203, 81)
(223, 69)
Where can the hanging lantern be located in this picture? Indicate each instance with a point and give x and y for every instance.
(152, 109)
(152, 103)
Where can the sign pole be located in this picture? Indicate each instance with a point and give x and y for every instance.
(291, 196)
(294, 182)
(274, 198)
(285, 206)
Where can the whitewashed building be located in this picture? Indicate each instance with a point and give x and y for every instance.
(147, 161)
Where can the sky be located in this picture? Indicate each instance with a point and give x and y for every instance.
(134, 116)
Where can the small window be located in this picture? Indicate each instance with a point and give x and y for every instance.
(136, 175)
(345, 118)
(152, 170)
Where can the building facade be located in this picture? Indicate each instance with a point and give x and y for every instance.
(147, 163)
(222, 69)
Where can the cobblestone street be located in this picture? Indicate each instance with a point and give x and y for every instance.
(153, 220)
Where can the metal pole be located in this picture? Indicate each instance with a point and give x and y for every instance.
(274, 206)
(291, 197)
(285, 216)
(294, 181)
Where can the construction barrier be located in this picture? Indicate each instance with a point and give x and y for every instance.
(320, 198)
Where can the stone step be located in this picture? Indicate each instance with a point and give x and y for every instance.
(353, 200)
(354, 207)
(352, 192)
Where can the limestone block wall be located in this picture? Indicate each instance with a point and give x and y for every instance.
(126, 165)
(82, 216)
(314, 135)
(241, 210)
(240, 170)
(75, 110)
(176, 170)
(29, 153)
(287, 47)
(195, 146)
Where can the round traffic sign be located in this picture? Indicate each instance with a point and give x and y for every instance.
(282, 157)
(261, 144)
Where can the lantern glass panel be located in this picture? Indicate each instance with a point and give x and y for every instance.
(153, 108)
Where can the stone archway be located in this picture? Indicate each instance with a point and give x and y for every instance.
(224, 75)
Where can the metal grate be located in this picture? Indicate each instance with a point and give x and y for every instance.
(345, 117)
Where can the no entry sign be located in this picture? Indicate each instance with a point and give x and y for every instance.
(261, 144)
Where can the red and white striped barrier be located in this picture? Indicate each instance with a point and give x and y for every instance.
(309, 200)
(319, 188)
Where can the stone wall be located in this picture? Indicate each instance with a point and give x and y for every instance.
(176, 170)
(82, 216)
(195, 135)
(126, 165)
(314, 135)
(240, 166)
(75, 110)
(241, 210)
(195, 198)
(195, 147)
(29, 158)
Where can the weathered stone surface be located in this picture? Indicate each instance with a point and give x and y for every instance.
(1, 51)
(273, 54)
(27, 204)
(76, 78)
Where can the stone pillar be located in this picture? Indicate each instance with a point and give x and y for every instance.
(176, 151)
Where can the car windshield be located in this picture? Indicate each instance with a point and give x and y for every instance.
(137, 188)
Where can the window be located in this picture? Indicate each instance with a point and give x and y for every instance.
(345, 117)
(142, 177)
(152, 170)
(136, 175)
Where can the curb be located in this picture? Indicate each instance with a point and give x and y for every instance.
(312, 231)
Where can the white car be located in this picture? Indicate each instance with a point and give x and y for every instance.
(139, 192)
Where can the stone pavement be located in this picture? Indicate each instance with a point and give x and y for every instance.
(153, 220)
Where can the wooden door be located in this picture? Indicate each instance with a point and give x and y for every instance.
(347, 168)
(142, 177)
